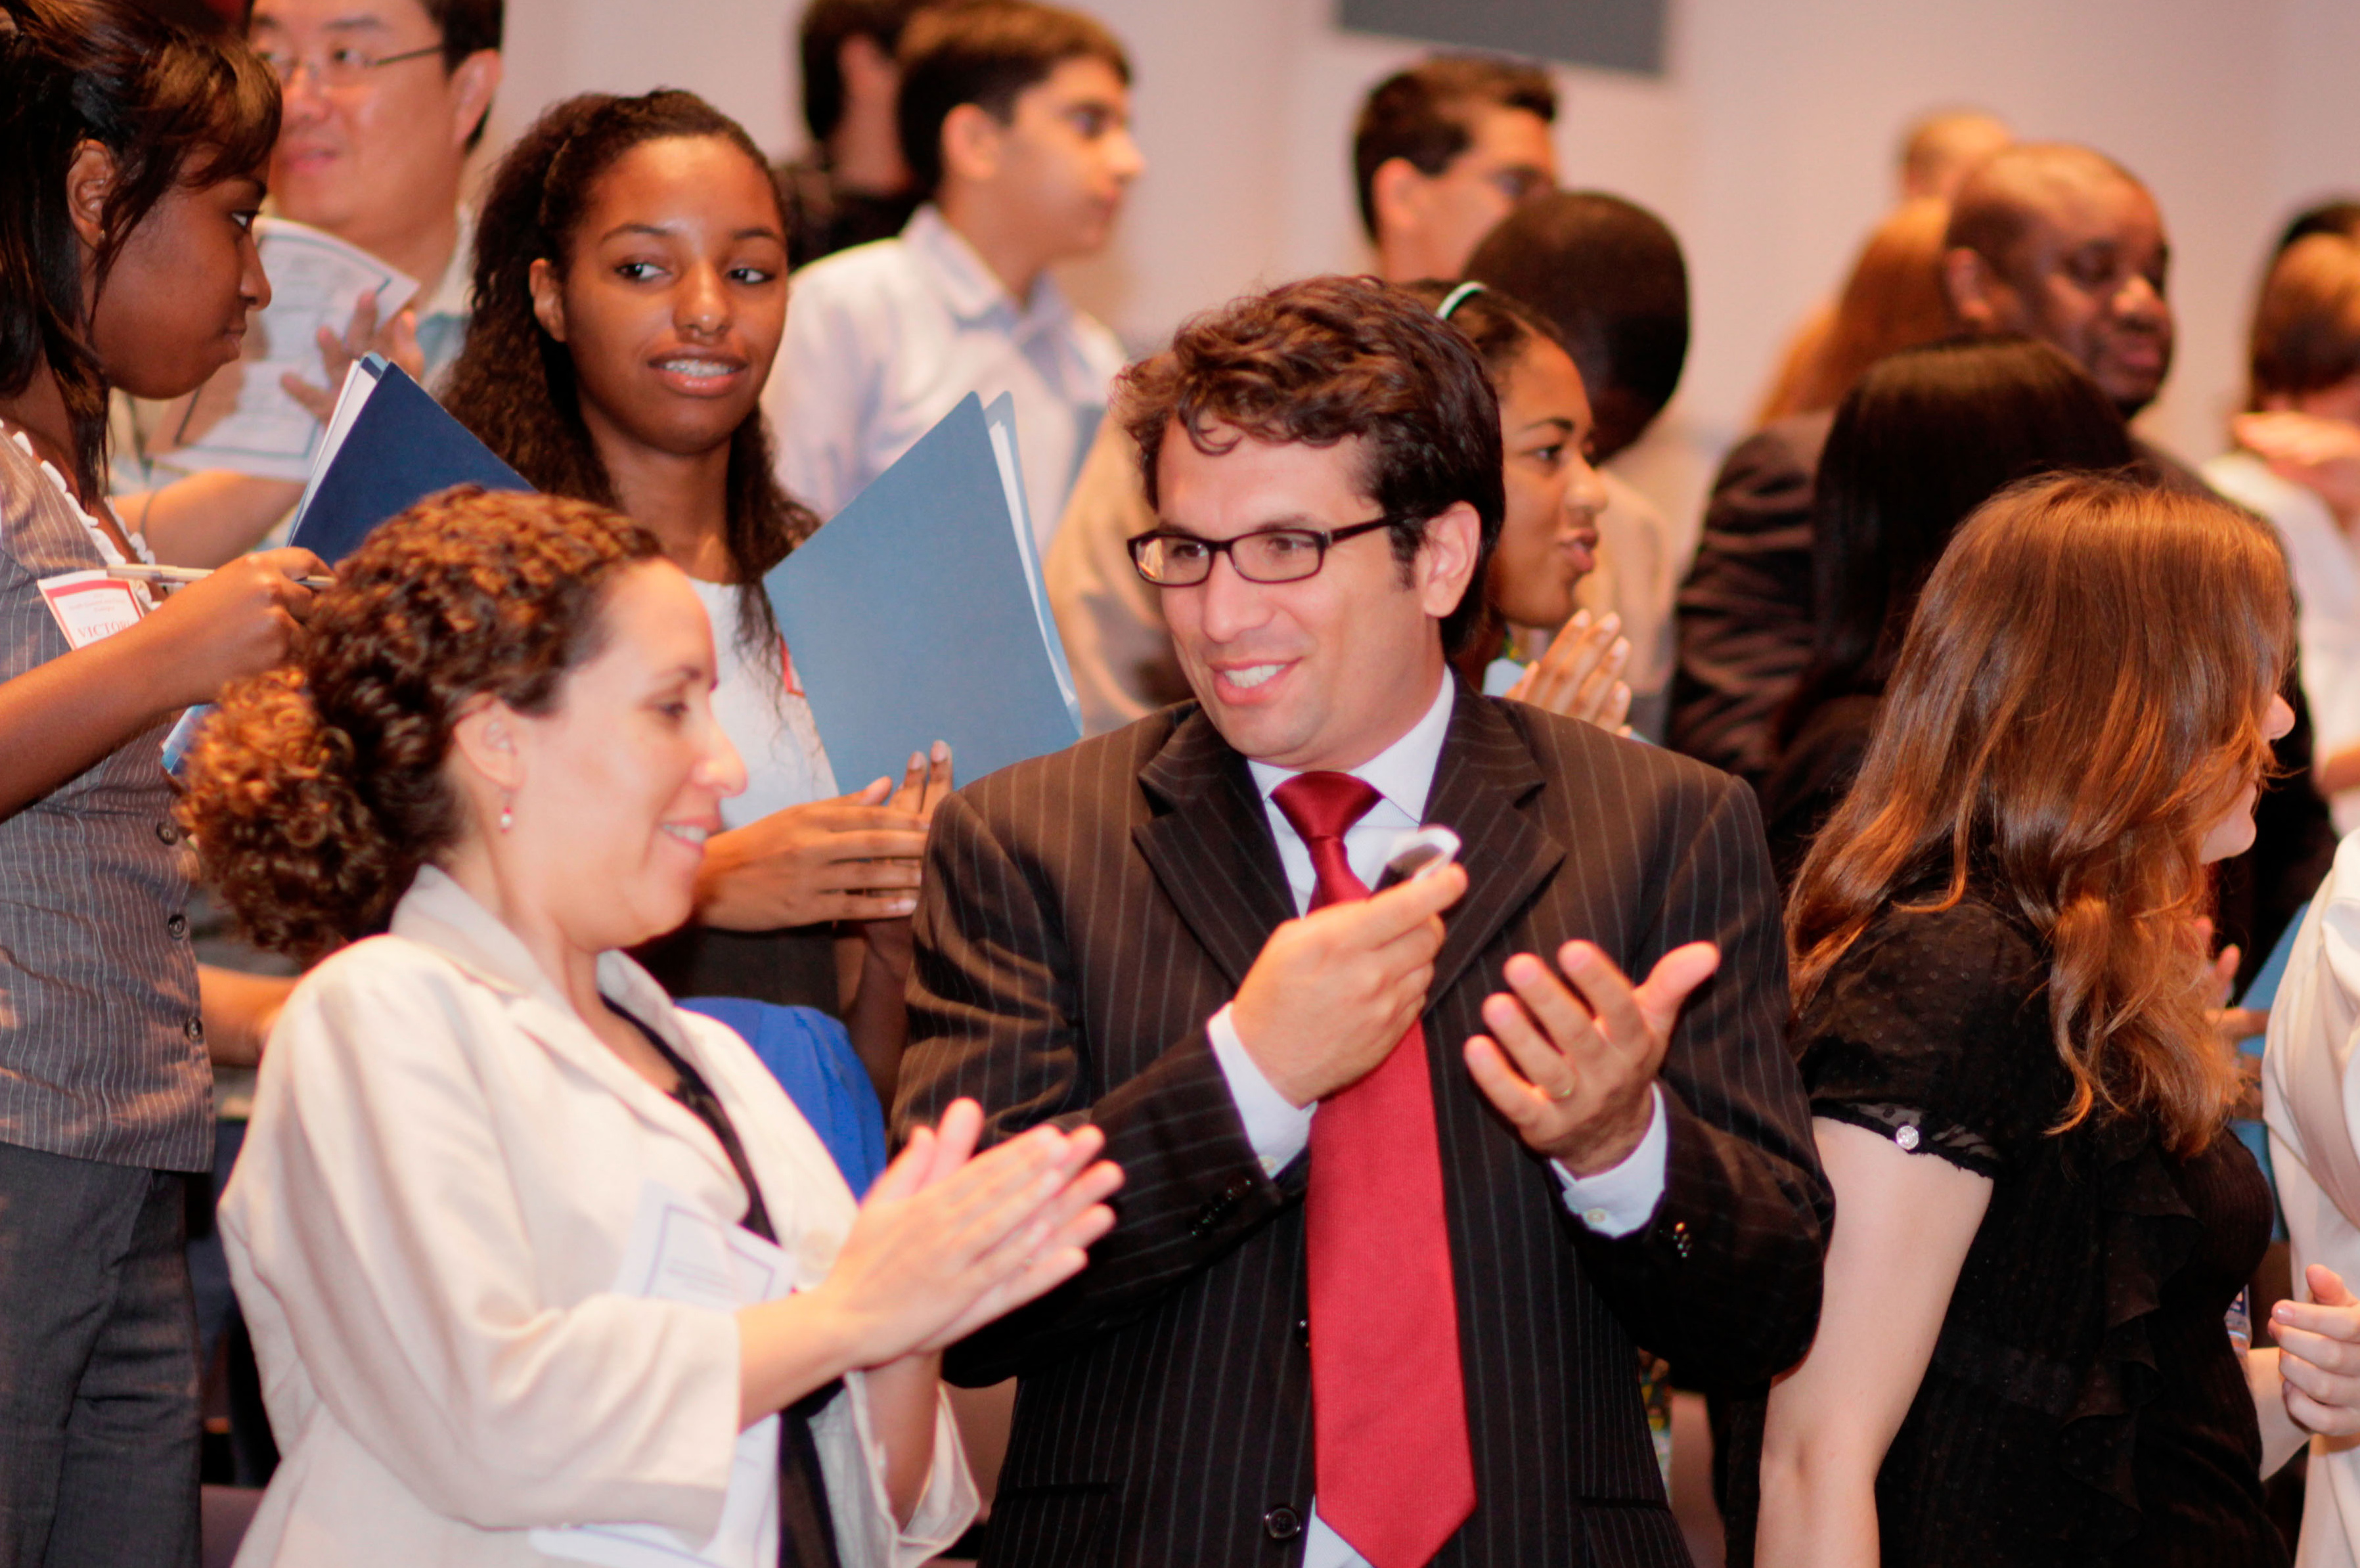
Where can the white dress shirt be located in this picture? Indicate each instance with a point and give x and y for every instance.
(427, 1226)
(884, 339)
(2326, 570)
(1613, 1202)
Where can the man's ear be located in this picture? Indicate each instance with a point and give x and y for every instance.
(1444, 573)
(471, 87)
(484, 743)
(972, 144)
(1397, 197)
(547, 298)
(90, 178)
(1979, 297)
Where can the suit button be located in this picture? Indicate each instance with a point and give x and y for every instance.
(168, 832)
(175, 926)
(195, 1030)
(1281, 1523)
(1303, 1331)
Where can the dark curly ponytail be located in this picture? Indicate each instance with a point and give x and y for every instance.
(514, 385)
(171, 107)
(317, 790)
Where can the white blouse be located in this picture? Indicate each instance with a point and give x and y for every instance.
(439, 1205)
(2326, 570)
(762, 710)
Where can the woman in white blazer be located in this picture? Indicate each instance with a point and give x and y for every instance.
(539, 1267)
(2310, 1098)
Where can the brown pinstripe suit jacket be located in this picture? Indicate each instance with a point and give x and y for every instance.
(1086, 913)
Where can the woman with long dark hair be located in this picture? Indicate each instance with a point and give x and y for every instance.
(630, 294)
(130, 159)
(2042, 1221)
(1925, 437)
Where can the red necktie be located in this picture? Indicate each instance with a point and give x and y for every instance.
(1395, 1473)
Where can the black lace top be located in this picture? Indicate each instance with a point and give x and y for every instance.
(2083, 1404)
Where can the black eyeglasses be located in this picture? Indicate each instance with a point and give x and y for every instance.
(1170, 559)
(341, 65)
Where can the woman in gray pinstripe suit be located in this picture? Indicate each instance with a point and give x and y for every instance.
(126, 197)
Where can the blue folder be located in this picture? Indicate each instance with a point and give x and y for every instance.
(918, 614)
(395, 446)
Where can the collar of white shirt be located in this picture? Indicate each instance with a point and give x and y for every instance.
(438, 913)
(1404, 772)
(968, 284)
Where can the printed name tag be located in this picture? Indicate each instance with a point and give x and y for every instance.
(90, 605)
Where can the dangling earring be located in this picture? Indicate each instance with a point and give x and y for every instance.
(508, 813)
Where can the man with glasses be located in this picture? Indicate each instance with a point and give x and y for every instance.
(1403, 1187)
(383, 100)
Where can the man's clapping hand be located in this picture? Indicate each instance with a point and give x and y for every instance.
(1333, 992)
(395, 339)
(1580, 1087)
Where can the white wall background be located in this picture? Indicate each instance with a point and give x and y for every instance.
(1767, 146)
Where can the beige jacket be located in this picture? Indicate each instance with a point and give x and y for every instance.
(2310, 1098)
(426, 1227)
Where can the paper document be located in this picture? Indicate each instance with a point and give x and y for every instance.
(243, 419)
(918, 614)
(89, 604)
(678, 1252)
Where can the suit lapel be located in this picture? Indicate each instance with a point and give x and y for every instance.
(1482, 784)
(1210, 846)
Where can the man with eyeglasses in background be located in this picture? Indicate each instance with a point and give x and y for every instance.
(383, 100)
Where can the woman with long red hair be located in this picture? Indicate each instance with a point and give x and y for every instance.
(2000, 1017)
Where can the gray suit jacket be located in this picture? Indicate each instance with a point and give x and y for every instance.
(1086, 913)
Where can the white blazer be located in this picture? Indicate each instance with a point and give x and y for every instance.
(426, 1226)
(2310, 1098)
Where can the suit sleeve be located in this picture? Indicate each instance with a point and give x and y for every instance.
(1745, 612)
(992, 1016)
(1724, 1282)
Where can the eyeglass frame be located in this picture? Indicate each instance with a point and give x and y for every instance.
(317, 66)
(1324, 538)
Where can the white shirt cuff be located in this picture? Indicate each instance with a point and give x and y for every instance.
(1277, 1129)
(1622, 1198)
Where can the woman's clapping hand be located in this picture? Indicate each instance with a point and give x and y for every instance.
(1580, 676)
(2319, 1355)
(948, 1239)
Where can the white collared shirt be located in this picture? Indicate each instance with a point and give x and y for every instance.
(1613, 1202)
(884, 339)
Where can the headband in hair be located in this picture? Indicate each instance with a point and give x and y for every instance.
(1457, 297)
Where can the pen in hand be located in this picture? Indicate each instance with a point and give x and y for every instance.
(178, 574)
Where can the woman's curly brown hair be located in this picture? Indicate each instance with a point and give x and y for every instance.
(317, 792)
